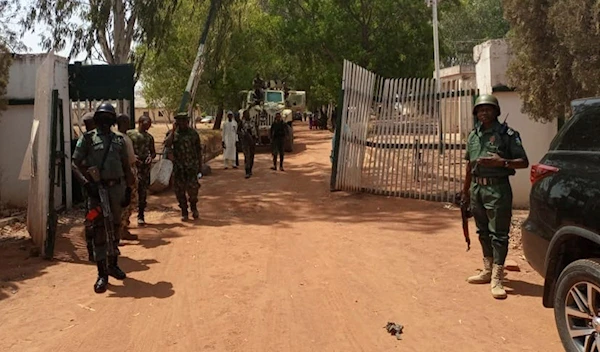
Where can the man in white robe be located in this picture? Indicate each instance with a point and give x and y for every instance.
(230, 137)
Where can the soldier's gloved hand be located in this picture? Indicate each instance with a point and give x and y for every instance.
(127, 198)
(92, 190)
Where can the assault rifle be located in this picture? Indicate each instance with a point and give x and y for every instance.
(465, 213)
(109, 226)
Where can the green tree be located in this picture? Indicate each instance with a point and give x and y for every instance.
(104, 29)
(555, 45)
(467, 23)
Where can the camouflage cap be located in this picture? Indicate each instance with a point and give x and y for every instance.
(181, 115)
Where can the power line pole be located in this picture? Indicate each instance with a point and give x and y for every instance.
(436, 44)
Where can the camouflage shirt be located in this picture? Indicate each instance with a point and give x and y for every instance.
(90, 150)
(186, 150)
(247, 132)
(143, 143)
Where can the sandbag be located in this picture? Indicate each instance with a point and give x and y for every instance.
(160, 175)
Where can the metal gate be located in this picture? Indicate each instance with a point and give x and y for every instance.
(400, 137)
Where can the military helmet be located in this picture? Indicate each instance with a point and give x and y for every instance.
(486, 99)
(181, 115)
(106, 112)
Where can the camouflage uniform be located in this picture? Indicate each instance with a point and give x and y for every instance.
(90, 150)
(143, 144)
(248, 137)
(186, 165)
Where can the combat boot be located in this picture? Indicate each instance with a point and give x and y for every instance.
(114, 270)
(194, 210)
(184, 214)
(485, 276)
(102, 280)
(140, 220)
(498, 291)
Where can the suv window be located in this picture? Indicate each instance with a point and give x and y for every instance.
(583, 132)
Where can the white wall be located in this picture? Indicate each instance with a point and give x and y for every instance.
(22, 75)
(16, 121)
(536, 139)
(492, 58)
(15, 127)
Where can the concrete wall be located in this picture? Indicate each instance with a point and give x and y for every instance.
(16, 122)
(536, 139)
(492, 59)
(15, 127)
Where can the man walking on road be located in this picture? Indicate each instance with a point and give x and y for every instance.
(278, 134)
(248, 138)
(143, 144)
(187, 163)
(230, 137)
(106, 151)
(494, 151)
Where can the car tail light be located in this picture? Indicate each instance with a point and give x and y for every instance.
(539, 171)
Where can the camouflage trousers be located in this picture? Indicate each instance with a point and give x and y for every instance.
(186, 182)
(116, 194)
(129, 209)
(143, 179)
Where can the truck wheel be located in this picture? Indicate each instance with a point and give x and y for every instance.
(289, 142)
(577, 304)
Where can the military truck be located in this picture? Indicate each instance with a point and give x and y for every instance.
(262, 111)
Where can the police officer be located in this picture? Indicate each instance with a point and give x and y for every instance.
(88, 121)
(494, 152)
(187, 163)
(105, 150)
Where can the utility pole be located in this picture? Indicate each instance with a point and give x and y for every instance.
(436, 59)
(436, 44)
(190, 89)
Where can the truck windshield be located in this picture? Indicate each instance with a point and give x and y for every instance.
(274, 97)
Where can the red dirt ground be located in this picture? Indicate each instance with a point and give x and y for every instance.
(276, 263)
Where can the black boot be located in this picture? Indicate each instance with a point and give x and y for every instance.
(274, 162)
(184, 214)
(102, 280)
(114, 270)
(194, 210)
(140, 220)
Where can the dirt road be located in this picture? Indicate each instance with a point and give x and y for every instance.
(276, 263)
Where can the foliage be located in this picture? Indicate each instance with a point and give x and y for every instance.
(303, 43)
(556, 47)
(113, 25)
(5, 62)
(468, 24)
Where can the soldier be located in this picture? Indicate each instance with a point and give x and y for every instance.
(123, 126)
(278, 134)
(248, 137)
(494, 151)
(143, 144)
(105, 150)
(187, 163)
(88, 121)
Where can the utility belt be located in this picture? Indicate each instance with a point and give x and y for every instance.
(490, 181)
(111, 182)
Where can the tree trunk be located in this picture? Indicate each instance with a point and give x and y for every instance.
(219, 117)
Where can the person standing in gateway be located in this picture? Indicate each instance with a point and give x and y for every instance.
(494, 152)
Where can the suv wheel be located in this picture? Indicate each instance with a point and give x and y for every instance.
(577, 306)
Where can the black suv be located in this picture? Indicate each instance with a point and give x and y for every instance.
(561, 236)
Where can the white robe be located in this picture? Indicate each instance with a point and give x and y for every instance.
(230, 136)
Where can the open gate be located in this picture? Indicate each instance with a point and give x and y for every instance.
(399, 137)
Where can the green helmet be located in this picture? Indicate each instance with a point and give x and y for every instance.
(486, 99)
